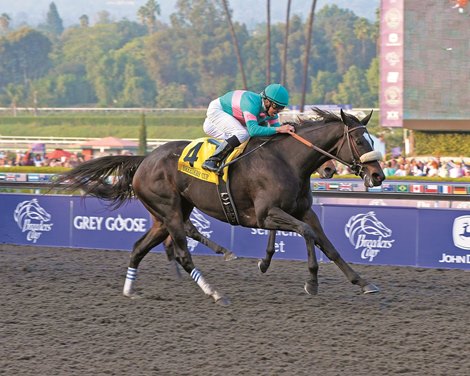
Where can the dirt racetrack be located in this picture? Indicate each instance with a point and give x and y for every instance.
(62, 313)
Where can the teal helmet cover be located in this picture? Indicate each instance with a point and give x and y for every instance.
(277, 94)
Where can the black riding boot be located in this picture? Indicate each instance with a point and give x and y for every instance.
(212, 163)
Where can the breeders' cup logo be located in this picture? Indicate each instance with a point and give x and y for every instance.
(32, 219)
(461, 232)
(202, 225)
(367, 234)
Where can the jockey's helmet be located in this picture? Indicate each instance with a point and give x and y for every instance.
(276, 93)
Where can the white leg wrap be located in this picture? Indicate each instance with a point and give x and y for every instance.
(131, 276)
(197, 276)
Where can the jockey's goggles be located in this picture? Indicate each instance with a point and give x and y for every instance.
(277, 106)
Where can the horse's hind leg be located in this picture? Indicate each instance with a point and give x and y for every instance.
(170, 254)
(330, 251)
(193, 233)
(150, 239)
(170, 210)
(263, 264)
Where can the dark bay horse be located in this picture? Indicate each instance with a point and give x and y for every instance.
(270, 187)
(326, 171)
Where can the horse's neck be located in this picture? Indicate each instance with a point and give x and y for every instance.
(304, 158)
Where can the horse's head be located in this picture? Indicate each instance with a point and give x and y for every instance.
(356, 149)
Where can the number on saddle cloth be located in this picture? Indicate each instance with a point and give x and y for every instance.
(197, 151)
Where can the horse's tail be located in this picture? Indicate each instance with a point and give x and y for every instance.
(108, 178)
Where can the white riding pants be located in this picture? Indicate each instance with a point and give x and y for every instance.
(219, 124)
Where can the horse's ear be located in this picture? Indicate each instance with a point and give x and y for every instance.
(367, 118)
(343, 116)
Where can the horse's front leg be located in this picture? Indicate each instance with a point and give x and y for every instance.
(280, 220)
(170, 254)
(263, 264)
(330, 251)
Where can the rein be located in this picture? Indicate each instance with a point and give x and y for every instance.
(356, 167)
(244, 155)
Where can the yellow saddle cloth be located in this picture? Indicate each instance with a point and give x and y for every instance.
(194, 155)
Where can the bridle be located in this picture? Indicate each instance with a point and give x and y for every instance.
(357, 164)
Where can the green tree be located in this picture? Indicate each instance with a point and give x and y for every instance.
(362, 31)
(173, 95)
(15, 94)
(54, 23)
(84, 20)
(324, 87)
(24, 56)
(147, 15)
(373, 82)
(353, 90)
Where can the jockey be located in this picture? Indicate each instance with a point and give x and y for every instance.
(239, 114)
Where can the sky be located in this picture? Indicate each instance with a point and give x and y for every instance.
(250, 12)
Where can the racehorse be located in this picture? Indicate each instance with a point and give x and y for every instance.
(326, 171)
(270, 188)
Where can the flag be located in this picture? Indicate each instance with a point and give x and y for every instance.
(431, 188)
(374, 189)
(388, 187)
(445, 189)
(402, 188)
(3, 177)
(460, 190)
(33, 177)
(333, 186)
(319, 186)
(345, 187)
(417, 188)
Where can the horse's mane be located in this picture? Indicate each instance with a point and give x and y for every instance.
(320, 117)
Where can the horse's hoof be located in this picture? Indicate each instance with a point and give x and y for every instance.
(174, 269)
(132, 295)
(229, 256)
(223, 301)
(263, 268)
(311, 288)
(370, 289)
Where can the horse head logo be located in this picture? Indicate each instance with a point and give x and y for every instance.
(30, 210)
(366, 224)
(461, 232)
(32, 219)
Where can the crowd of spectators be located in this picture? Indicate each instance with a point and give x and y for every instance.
(400, 166)
(432, 167)
(28, 158)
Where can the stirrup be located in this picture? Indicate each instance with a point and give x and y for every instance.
(210, 166)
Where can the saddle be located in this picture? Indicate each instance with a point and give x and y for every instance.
(190, 163)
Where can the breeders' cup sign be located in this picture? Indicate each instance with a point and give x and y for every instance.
(368, 235)
(32, 219)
